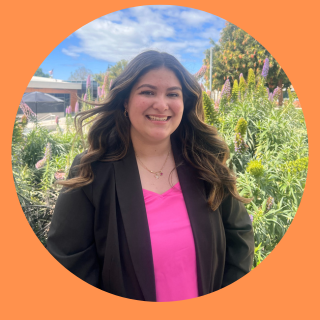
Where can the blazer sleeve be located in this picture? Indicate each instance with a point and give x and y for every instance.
(239, 240)
(71, 235)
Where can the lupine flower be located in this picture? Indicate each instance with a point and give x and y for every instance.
(251, 217)
(105, 80)
(226, 91)
(99, 92)
(239, 144)
(27, 111)
(208, 93)
(85, 97)
(68, 110)
(88, 81)
(276, 94)
(46, 158)
(265, 68)
(59, 175)
(201, 72)
(57, 120)
(76, 108)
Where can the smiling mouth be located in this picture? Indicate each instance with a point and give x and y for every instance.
(158, 118)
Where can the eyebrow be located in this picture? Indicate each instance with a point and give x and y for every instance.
(154, 88)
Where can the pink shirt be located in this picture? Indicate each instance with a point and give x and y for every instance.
(172, 242)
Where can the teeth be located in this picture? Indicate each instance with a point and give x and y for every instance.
(158, 119)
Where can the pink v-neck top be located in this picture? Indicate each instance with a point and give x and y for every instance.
(172, 242)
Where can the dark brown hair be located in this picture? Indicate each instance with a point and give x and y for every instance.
(109, 135)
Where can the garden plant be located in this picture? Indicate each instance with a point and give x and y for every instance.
(268, 154)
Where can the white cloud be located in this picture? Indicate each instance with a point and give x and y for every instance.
(124, 34)
(70, 53)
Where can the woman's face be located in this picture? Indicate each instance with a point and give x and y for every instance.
(155, 105)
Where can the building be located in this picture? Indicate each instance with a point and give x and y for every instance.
(65, 90)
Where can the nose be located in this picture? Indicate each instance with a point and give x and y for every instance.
(161, 104)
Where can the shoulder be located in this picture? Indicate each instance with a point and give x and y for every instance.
(96, 166)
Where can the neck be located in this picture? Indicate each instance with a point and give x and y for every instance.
(146, 149)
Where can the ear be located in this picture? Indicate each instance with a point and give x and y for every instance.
(125, 104)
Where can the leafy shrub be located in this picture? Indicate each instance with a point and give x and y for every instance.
(255, 168)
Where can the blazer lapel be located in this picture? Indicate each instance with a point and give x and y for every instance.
(133, 211)
(200, 216)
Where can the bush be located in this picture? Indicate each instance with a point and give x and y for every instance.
(269, 154)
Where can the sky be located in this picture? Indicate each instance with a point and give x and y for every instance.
(180, 31)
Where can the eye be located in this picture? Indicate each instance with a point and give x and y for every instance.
(147, 93)
(173, 95)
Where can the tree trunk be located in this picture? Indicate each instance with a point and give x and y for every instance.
(281, 92)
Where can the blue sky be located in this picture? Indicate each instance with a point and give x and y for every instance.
(181, 31)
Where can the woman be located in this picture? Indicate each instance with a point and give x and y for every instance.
(151, 210)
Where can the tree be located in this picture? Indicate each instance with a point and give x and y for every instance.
(80, 74)
(116, 70)
(40, 73)
(236, 53)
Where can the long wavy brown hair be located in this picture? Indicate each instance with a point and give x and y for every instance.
(109, 134)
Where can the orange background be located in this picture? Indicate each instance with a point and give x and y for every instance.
(35, 286)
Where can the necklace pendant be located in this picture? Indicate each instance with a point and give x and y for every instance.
(156, 176)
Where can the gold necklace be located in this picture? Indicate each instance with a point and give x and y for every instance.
(157, 174)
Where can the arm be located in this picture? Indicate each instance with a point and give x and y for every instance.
(71, 236)
(239, 240)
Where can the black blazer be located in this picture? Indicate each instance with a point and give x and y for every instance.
(100, 232)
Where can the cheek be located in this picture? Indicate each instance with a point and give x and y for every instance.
(138, 106)
(178, 108)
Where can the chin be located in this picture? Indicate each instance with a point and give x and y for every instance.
(158, 137)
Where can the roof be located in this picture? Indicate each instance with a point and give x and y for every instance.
(49, 83)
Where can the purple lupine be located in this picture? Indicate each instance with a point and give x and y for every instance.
(276, 94)
(251, 217)
(88, 81)
(226, 90)
(59, 175)
(239, 144)
(57, 120)
(76, 108)
(201, 72)
(46, 158)
(265, 68)
(27, 111)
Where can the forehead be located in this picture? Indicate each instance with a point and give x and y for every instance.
(161, 76)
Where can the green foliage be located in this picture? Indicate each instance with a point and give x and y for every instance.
(211, 115)
(274, 164)
(241, 127)
(251, 80)
(242, 87)
(255, 168)
(236, 53)
(40, 73)
(297, 166)
(235, 91)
